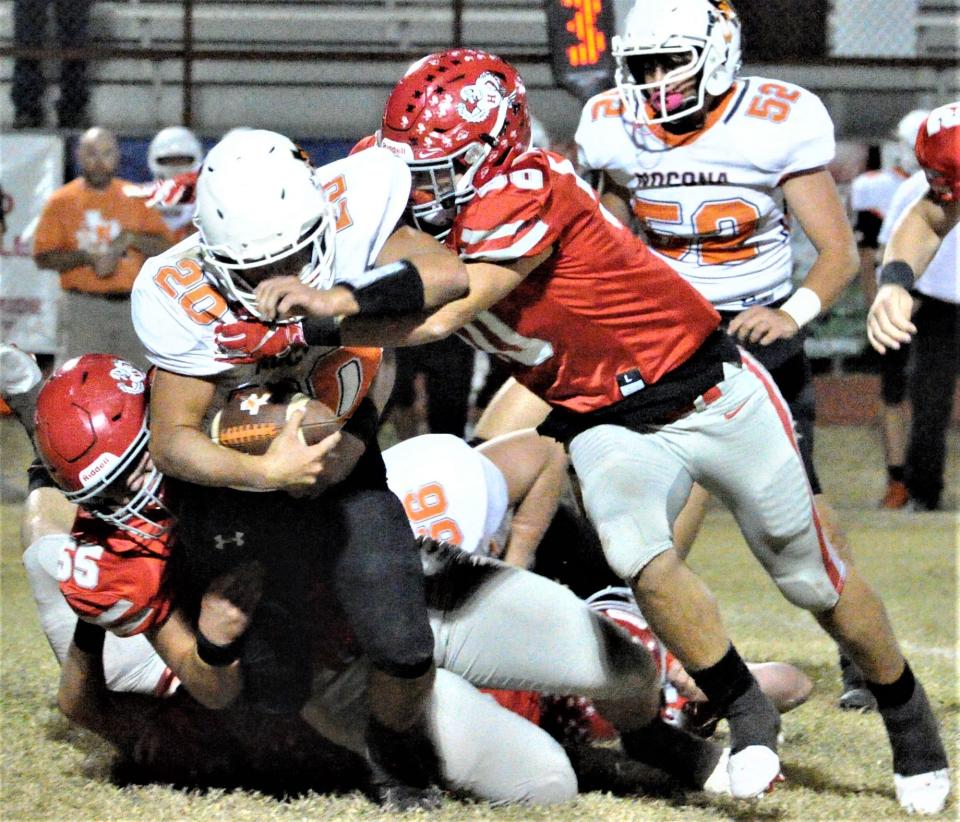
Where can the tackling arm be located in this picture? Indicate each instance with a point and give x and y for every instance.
(414, 273)
(488, 285)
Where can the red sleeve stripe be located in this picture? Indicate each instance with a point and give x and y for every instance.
(475, 236)
(118, 619)
(516, 250)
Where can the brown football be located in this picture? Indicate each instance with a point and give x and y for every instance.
(252, 417)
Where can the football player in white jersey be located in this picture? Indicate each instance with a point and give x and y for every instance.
(707, 164)
(871, 194)
(174, 158)
(263, 212)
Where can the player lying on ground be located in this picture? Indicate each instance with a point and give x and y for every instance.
(479, 498)
(646, 391)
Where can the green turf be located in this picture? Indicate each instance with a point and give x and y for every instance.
(837, 765)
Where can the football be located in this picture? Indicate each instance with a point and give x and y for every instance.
(253, 416)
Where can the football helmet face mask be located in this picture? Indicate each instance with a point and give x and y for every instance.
(174, 142)
(258, 203)
(672, 54)
(938, 152)
(92, 435)
(456, 118)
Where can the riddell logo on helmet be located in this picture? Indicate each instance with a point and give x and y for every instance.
(92, 472)
(401, 150)
(481, 98)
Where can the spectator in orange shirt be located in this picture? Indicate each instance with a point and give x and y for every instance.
(97, 238)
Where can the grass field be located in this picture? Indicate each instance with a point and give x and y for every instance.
(837, 765)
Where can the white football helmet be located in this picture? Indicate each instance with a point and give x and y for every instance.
(259, 202)
(174, 141)
(693, 39)
(907, 130)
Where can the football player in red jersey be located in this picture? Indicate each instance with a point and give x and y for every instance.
(646, 391)
(119, 582)
(918, 235)
(91, 433)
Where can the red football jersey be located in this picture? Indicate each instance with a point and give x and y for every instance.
(114, 578)
(602, 317)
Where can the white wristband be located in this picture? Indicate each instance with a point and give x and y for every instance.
(803, 306)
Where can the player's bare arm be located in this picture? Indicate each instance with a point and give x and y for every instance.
(148, 244)
(535, 469)
(513, 407)
(488, 285)
(915, 240)
(441, 273)
(813, 199)
(181, 448)
(64, 260)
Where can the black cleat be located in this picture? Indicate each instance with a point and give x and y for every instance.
(855, 696)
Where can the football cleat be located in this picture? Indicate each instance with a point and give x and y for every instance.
(753, 771)
(718, 783)
(896, 496)
(923, 793)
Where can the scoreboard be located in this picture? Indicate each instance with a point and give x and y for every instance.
(579, 33)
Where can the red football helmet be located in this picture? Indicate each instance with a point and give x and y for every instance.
(618, 604)
(938, 151)
(91, 433)
(456, 118)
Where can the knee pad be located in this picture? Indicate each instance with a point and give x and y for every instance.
(556, 783)
(802, 590)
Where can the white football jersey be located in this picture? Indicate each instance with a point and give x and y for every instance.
(710, 202)
(449, 490)
(940, 280)
(176, 305)
(873, 190)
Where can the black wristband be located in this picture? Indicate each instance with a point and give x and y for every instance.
(389, 290)
(321, 331)
(218, 656)
(89, 637)
(897, 273)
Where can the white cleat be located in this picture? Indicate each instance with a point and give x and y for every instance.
(752, 771)
(718, 783)
(19, 371)
(924, 793)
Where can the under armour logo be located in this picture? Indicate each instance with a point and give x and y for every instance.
(220, 541)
